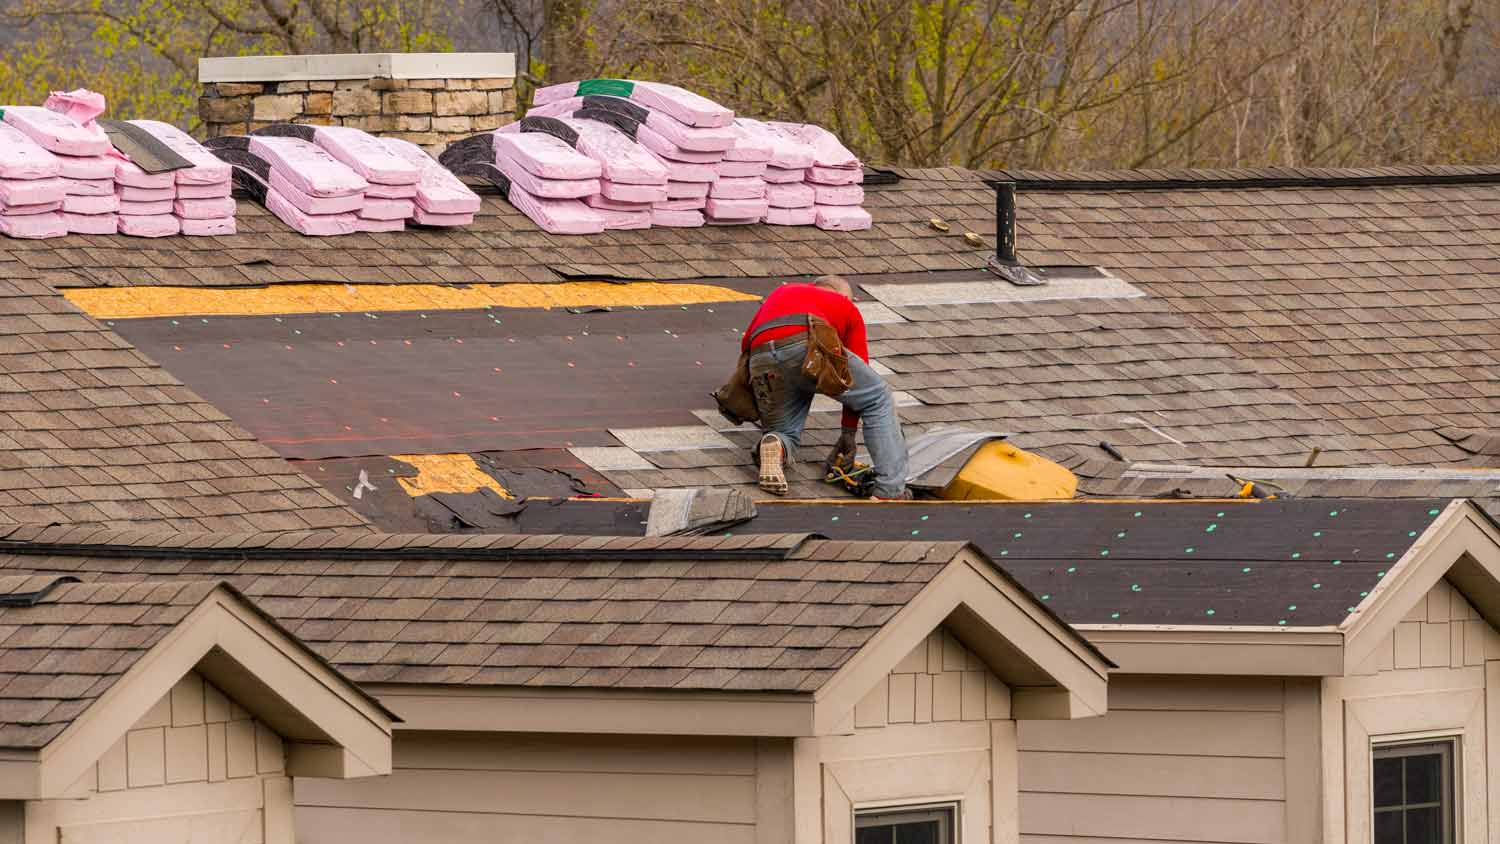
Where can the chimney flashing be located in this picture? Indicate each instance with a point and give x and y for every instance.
(334, 66)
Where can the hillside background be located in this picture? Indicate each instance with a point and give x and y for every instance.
(1056, 84)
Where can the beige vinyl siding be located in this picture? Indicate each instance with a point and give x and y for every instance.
(1182, 760)
(450, 787)
(195, 767)
(1442, 631)
(1433, 677)
(939, 681)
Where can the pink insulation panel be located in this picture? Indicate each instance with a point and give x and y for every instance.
(91, 204)
(843, 218)
(57, 132)
(150, 225)
(558, 216)
(208, 228)
(23, 158)
(89, 187)
(794, 195)
(541, 187)
(292, 192)
(316, 225)
(438, 191)
(312, 170)
(204, 209)
(788, 153)
(87, 166)
(738, 187)
(207, 169)
(32, 191)
(91, 223)
(33, 226)
(129, 174)
(828, 151)
(792, 216)
(545, 156)
(366, 155)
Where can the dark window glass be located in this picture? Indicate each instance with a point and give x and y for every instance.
(1387, 786)
(915, 825)
(1412, 792)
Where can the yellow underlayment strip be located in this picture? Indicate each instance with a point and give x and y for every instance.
(446, 473)
(320, 298)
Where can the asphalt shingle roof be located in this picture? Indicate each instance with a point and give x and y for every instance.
(68, 643)
(755, 613)
(93, 431)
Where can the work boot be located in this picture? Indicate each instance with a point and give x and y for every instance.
(772, 465)
(904, 496)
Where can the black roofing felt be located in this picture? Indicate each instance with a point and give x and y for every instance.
(324, 386)
(1293, 562)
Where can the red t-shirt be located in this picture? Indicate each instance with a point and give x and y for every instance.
(836, 310)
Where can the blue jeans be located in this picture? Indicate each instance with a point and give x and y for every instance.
(784, 396)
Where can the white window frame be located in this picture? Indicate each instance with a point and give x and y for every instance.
(953, 809)
(1450, 799)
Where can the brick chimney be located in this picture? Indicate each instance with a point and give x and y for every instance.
(430, 99)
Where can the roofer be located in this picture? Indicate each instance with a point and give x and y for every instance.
(785, 377)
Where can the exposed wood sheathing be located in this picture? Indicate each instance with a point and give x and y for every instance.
(456, 473)
(141, 302)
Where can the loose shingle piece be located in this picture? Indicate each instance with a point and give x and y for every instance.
(756, 613)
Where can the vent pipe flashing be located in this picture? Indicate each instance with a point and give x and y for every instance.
(1004, 262)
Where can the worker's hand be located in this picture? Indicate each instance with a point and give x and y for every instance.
(843, 452)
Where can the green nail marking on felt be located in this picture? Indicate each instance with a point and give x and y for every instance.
(1027, 516)
(1380, 574)
(1210, 612)
(1135, 587)
(925, 518)
(1317, 586)
(1121, 534)
(1333, 512)
(834, 519)
(1104, 553)
(1114, 615)
(1218, 515)
(1138, 514)
(1046, 597)
(1018, 535)
(1364, 594)
(1296, 555)
(1338, 562)
(1317, 533)
(1188, 550)
(1292, 608)
(1072, 569)
(1004, 553)
(1283, 621)
(1432, 512)
(1391, 555)
(915, 532)
(1411, 533)
(1210, 528)
(1245, 570)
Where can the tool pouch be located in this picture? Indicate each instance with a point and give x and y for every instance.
(736, 399)
(827, 363)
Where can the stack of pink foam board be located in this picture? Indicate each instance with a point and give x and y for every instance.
(834, 175)
(201, 203)
(631, 179)
(720, 170)
(392, 179)
(85, 170)
(310, 190)
(90, 205)
(31, 189)
(440, 198)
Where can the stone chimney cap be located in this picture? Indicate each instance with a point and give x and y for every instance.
(357, 66)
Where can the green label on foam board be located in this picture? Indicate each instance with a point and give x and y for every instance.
(605, 87)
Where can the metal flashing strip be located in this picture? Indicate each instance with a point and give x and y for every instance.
(999, 292)
(670, 438)
(611, 458)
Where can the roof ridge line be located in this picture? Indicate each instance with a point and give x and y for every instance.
(1262, 177)
(627, 548)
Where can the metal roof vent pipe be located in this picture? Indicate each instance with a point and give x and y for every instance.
(1004, 262)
